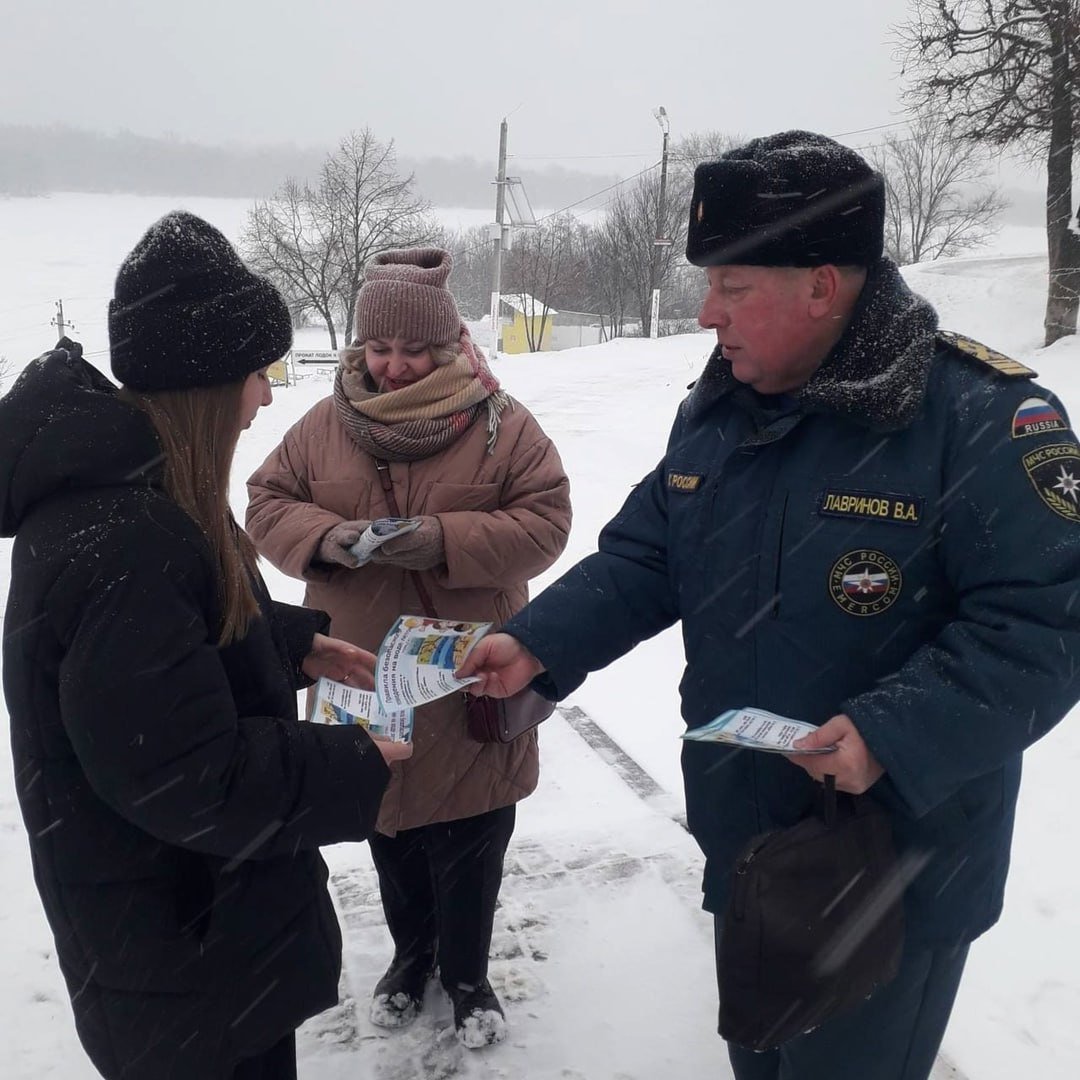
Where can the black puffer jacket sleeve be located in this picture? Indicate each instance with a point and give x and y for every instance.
(298, 627)
(148, 706)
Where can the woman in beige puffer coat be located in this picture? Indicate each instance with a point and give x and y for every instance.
(415, 406)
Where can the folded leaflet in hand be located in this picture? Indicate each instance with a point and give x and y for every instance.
(377, 534)
(336, 703)
(756, 729)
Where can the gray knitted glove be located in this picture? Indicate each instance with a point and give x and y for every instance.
(334, 546)
(420, 549)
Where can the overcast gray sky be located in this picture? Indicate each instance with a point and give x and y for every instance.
(580, 77)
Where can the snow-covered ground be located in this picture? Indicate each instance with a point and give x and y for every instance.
(601, 954)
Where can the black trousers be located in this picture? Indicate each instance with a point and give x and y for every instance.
(894, 1035)
(277, 1063)
(439, 885)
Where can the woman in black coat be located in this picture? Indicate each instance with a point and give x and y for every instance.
(174, 803)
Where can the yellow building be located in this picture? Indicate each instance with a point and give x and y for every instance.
(278, 373)
(522, 320)
(527, 326)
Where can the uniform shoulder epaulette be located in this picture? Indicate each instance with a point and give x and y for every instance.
(983, 354)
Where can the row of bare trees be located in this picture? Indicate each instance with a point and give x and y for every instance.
(602, 266)
(939, 204)
(982, 74)
(313, 239)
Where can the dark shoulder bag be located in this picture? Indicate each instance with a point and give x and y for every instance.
(489, 719)
(814, 923)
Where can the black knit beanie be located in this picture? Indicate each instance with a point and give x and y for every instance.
(187, 312)
(792, 199)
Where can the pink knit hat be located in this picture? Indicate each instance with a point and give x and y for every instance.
(405, 295)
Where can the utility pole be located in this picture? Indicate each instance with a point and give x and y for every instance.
(58, 320)
(497, 244)
(660, 241)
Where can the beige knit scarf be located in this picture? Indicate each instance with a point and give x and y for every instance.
(419, 420)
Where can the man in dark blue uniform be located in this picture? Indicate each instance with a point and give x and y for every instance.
(863, 522)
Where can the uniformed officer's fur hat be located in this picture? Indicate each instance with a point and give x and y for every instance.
(792, 199)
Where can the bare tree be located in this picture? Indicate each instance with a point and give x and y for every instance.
(5, 371)
(287, 240)
(371, 207)
(632, 217)
(631, 224)
(544, 271)
(606, 284)
(934, 204)
(470, 281)
(312, 240)
(691, 150)
(1007, 72)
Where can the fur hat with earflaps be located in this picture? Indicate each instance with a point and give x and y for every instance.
(405, 295)
(187, 312)
(791, 199)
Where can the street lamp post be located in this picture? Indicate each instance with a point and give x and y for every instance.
(498, 244)
(660, 240)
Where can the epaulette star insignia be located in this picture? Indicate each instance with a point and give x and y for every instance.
(975, 350)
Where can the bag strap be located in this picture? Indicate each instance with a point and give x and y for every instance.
(383, 468)
(830, 800)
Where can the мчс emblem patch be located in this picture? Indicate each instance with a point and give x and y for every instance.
(1036, 416)
(1055, 472)
(865, 582)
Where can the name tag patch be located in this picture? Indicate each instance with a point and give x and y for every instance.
(1054, 471)
(871, 506)
(686, 482)
(1036, 416)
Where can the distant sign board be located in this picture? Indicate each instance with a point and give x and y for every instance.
(278, 373)
(315, 356)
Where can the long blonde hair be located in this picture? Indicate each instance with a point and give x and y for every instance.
(198, 429)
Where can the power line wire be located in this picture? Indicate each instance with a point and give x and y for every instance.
(644, 153)
(575, 157)
(675, 157)
(879, 127)
(602, 191)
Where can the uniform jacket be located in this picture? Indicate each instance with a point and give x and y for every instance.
(174, 803)
(505, 518)
(900, 541)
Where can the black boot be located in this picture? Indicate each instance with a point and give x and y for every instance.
(399, 994)
(478, 1017)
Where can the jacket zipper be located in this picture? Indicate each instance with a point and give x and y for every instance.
(742, 877)
(779, 557)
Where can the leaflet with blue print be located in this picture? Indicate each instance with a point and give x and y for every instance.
(756, 729)
(418, 658)
(337, 703)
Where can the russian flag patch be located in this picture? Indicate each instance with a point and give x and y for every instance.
(1036, 416)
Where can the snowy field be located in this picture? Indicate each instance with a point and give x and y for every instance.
(601, 955)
